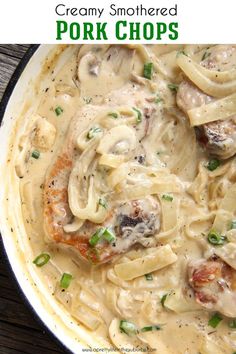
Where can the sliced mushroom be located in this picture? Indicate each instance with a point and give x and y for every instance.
(39, 133)
(112, 65)
(45, 134)
(138, 220)
(118, 141)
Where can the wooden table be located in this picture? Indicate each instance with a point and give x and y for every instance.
(20, 331)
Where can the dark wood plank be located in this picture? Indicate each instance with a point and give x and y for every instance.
(10, 56)
(14, 50)
(8, 65)
(26, 342)
(6, 350)
(20, 332)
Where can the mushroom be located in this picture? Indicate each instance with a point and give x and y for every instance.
(118, 142)
(39, 133)
(45, 134)
(112, 66)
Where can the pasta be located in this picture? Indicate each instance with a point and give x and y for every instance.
(147, 264)
(128, 187)
(221, 109)
(205, 83)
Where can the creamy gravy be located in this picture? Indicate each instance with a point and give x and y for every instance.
(184, 210)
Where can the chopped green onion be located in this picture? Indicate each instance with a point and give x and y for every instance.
(113, 115)
(232, 324)
(58, 110)
(109, 236)
(102, 233)
(139, 115)
(102, 202)
(214, 320)
(41, 260)
(163, 299)
(213, 164)
(150, 328)
(158, 99)
(65, 280)
(148, 70)
(128, 327)
(35, 154)
(92, 132)
(167, 197)
(215, 238)
(233, 225)
(96, 236)
(173, 87)
(149, 276)
(205, 55)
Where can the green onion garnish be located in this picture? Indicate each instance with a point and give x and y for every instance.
(113, 115)
(149, 276)
(151, 328)
(232, 324)
(139, 115)
(92, 132)
(96, 236)
(148, 71)
(41, 260)
(58, 110)
(128, 327)
(158, 99)
(233, 225)
(215, 238)
(163, 299)
(102, 202)
(109, 236)
(173, 87)
(102, 233)
(213, 164)
(65, 280)
(214, 320)
(205, 55)
(167, 197)
(35, 154)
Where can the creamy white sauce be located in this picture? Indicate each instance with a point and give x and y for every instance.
(168, 143)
